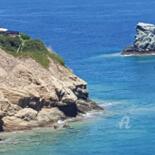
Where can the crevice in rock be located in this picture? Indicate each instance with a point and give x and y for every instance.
(1, 125)
(37, 103)
(81, 92)
(60, 94)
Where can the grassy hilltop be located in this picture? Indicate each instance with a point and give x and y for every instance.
(22, 45)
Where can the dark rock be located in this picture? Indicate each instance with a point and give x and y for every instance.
(60, 94)
(81, 92)
(2, 114)
(49, 103)
(31, 102)
(69, 109)
(1, 125)
(86, 106)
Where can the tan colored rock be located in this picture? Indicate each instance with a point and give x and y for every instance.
(13, 123)
(50, 115)
(27, 114)
(2, 114)
(8, 108)
(3, 73)
(32, 96)
(27, 78)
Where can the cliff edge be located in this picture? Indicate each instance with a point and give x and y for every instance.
(144, 40)
(34, 94)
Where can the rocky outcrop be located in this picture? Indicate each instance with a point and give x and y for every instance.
(144, 40)
(32, 96)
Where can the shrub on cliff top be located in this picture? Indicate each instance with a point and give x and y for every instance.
(24, 36)
(24, 46)
(9, 43)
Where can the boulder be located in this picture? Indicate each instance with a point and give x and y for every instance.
(47, 116)
(12, 123)
(26, 114)
(81, 92)
(86, 106)
(8, 108)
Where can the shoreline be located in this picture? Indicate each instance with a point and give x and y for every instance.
(133, 53)
(59, 117)
(79, 119)
(33, 96)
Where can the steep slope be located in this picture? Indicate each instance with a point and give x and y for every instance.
(32, 95)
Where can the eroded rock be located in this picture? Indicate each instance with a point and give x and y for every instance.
(12, 123)
(86, 106)
(32, 96)
(144, 40)
(27, 114)
(47, 116)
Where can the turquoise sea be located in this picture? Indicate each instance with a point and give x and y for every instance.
(90, 34)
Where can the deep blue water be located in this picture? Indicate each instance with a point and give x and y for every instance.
(90, 34)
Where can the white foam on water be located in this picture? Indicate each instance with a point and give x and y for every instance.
(92, 114)
(61, 122)
(118, 54)
(96, 57)
(107, 55)
(105, 104)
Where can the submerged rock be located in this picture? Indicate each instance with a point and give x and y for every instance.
(144, 40)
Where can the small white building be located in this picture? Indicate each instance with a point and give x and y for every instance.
(3, 30)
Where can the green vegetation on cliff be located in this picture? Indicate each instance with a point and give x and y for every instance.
(24, 46)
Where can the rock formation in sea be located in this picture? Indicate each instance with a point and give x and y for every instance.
(144, 40)
(34, 93)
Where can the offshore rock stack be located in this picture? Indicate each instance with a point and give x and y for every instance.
(144, 41)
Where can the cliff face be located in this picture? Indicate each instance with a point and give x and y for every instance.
(144, 40)
(32, 96)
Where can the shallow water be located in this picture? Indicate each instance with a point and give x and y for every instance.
(90, 35)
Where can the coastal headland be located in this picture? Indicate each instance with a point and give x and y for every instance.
(37, 89)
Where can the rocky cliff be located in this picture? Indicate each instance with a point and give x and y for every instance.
(144, 40)
(34, 96)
